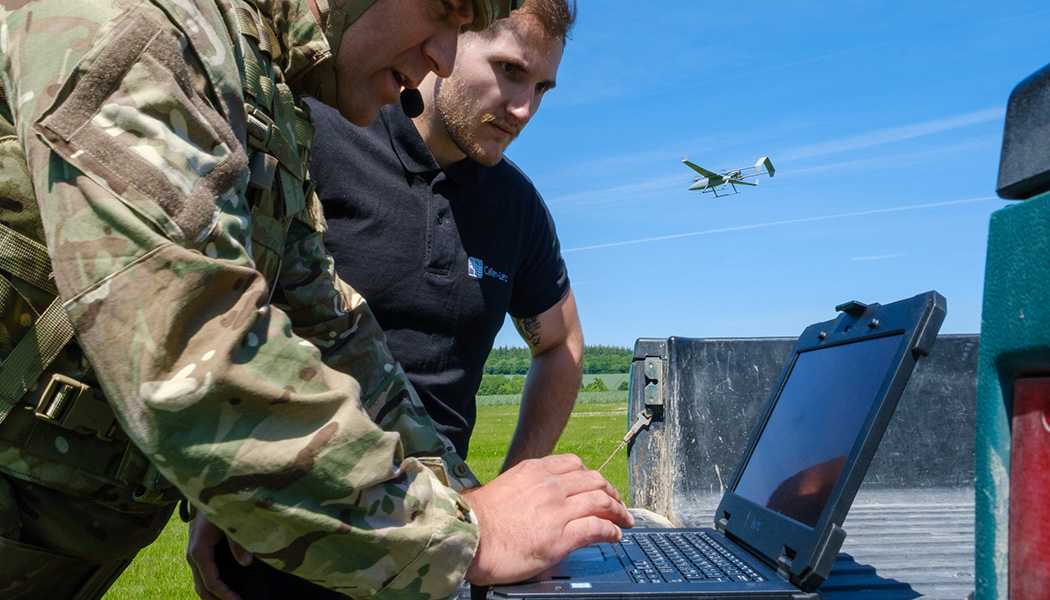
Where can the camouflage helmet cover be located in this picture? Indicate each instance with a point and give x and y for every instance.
(338, 15)
(487, 11)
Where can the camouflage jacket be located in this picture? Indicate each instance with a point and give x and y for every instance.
(264, 392)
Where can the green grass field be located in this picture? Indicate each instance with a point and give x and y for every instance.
(597, 424)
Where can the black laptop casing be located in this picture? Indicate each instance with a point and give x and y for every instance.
(802, 554)
(794, 557)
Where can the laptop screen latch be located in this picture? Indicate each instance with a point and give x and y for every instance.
(853, 308)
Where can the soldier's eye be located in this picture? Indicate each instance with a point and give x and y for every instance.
(443, 9)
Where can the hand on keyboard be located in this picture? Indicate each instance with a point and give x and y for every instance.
(536, 513)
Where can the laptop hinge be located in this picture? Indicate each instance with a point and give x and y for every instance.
(787, 556)
(722, 523)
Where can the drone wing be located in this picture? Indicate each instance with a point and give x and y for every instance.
(700, 169)
(742, 182)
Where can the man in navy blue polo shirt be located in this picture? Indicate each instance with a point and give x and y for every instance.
(444, 236)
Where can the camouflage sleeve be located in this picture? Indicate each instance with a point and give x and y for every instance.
(133, 136)
(334, 317)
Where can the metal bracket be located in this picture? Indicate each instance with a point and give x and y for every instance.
(654, 389)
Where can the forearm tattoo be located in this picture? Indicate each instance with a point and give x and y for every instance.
(529, 328)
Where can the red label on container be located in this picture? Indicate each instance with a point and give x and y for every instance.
(1030, 490)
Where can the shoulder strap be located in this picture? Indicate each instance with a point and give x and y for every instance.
(33, 354)
(26, 259)
(266, 98)
(279, 130)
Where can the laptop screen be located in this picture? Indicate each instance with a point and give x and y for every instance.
(815, 423)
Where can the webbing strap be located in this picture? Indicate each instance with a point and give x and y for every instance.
(257, 84)
(263, 134)
(32, 355)
(115, 461)
(297, 122)
(26, 259)
(7, 293)
(304, 130)
(246, 21)
(252, 25)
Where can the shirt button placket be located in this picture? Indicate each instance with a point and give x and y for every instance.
(444, 237)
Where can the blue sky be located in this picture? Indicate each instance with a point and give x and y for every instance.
(884, 120)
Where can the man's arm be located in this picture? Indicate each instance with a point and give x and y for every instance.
(555, 338)
(309, 288)
(140, 179)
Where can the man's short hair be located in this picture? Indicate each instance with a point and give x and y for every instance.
(556, 17)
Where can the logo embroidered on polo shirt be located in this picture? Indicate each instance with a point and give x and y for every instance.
(476, 269)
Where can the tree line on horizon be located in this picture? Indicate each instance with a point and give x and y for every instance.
(596, 359)
(501, 385)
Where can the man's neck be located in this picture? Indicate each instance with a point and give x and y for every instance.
(437, 139)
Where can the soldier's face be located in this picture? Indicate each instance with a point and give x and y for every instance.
(395, 44)
(497, 86)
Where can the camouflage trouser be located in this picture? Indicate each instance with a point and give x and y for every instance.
(56, 546)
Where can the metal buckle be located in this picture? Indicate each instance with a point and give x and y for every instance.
(72, 405)
(260, 126)
(59, 395)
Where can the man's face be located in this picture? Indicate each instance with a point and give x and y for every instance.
(497, 86)
(394, 44)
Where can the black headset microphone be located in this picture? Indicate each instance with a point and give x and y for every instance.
(411, 102)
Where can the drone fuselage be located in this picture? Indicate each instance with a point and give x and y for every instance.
(704, 183)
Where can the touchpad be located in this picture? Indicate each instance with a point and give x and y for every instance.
(589, 562)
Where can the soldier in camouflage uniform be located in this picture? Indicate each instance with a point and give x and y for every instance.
(159, 147)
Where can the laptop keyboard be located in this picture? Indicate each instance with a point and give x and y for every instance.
(681, 557)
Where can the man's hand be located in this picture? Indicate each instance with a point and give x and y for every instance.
(200, 553)
(539, 511)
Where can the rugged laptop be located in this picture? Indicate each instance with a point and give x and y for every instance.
(778, 527)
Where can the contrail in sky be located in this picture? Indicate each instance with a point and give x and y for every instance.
(895, 134)
(877, 257)
(875, 211)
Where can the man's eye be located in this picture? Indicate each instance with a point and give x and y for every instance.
(510, 68)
